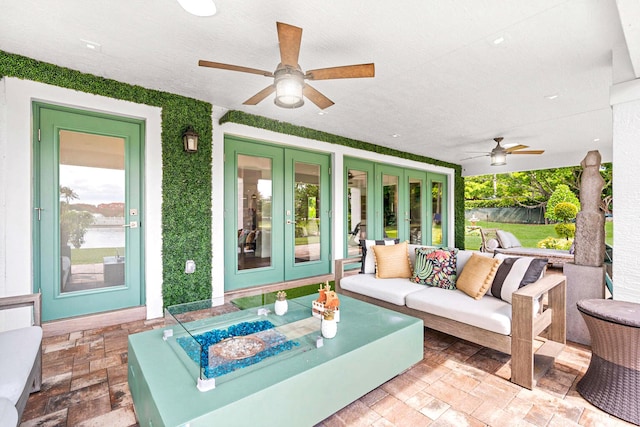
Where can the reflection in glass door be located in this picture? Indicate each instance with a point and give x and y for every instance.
(415, 210)
(92, 196)
(356, 211)
(255, 188)
(307, 209)
(390, 206)
(437, 205)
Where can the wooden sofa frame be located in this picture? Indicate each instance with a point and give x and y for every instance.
(527, 363)
(34, 381)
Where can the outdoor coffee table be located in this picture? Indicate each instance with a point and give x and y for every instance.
(276, 375)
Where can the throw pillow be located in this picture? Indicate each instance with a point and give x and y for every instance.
(507, 240)
(491, 245)
(436, 267)
(477, 275)
(392, 261)
(368, 262)
(514, 273)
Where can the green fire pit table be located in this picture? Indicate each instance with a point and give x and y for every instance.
(236, 368)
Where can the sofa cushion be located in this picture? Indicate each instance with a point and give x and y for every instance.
(435, 267)
(392, 261)
(487, 312)
(8, 413)
(18, 351)
(507, 240)
(477, 275)
(368, 261)
(393, 291)
(514, 273)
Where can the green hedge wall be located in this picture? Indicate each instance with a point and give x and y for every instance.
(186, 177)
(303, 132)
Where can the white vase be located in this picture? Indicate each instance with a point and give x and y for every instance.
(281, 307)
(329, 328)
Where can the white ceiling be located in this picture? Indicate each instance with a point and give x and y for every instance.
(441, 83)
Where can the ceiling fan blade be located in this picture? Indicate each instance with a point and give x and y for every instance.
(289, 38)
(528, 152)
(474, 157)
(260, 95)
(515, 147)
(316, 97)
(344, 72)
(222, 66)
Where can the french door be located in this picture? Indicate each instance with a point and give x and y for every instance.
(277, 205)
(87, 211)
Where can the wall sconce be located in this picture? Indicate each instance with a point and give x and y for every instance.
(190, 140)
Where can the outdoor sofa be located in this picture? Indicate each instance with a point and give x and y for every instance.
(512, 328)
(20, 360)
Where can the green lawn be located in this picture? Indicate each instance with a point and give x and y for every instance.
(528, 234)
(93, 256)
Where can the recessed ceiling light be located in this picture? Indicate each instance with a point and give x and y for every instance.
(498, 40)
(322, 113)
(395, 135)
(596, 140)
(199, 7)
(553, 96)
(96, 47)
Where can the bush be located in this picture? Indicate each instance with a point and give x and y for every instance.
(561, 194)
(565, 230)
(565, 211)
(553, 243)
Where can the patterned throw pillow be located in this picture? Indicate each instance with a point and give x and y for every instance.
(368, 261)
(436, 267)
(514, 273)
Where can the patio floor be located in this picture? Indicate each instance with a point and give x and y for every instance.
(456, 384)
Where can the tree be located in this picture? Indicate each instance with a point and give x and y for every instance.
(73, 223)
(561, 194)
(565, 212)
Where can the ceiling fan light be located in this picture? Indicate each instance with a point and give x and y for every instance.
(199, 7)
(498, 157)
(289, 84)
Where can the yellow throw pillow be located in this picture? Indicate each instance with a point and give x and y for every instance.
(477, 275)
(392, 261)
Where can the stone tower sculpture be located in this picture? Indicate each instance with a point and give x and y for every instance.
(589, 239)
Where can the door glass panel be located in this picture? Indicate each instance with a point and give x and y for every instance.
(415, 211)
(307, 212)
(255, 187)
(436, 214)
(92, 211)
(356, 211)
(390, 205)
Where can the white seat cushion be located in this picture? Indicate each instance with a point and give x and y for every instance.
(18, 351)
(488, 312)
(393, 291)
(8, 413)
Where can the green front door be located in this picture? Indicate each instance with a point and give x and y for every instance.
(87, 211)
(277, 204)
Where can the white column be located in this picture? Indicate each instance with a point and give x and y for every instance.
(625, 102)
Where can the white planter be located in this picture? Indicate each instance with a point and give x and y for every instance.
(329, 328)
(281, 307)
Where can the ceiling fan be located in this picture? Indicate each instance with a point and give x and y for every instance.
(289, 79)
(499, 153)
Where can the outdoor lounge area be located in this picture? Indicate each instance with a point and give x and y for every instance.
(162, 161)
(457, 383)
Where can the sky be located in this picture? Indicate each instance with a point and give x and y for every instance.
(94, 185)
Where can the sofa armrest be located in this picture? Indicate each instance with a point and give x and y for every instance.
(30, 300)
(339, 269)
(526, 325)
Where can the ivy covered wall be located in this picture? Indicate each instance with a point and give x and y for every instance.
(186, 177)
(303, 132)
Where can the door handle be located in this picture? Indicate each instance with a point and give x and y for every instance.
(290, 222)
(132, 224)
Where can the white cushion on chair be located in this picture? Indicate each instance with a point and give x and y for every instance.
(18, 351)
(8, 413)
